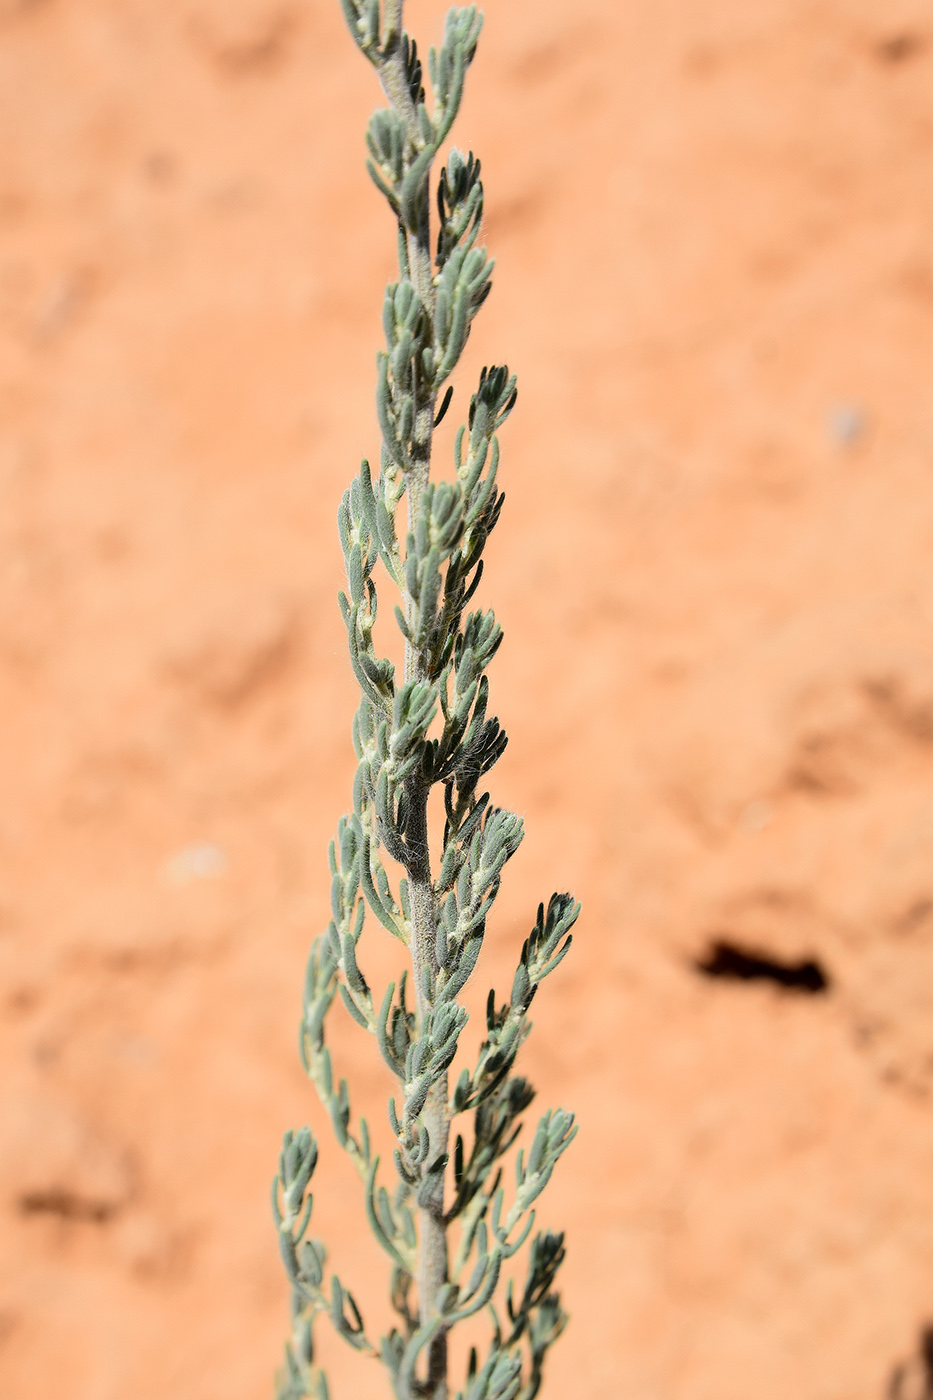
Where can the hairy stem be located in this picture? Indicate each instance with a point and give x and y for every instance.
(431, 732)
(432, 1254)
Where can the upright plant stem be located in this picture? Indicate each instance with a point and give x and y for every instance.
(430, 730)
(432, 1253)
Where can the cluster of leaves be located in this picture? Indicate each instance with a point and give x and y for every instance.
(411, 735)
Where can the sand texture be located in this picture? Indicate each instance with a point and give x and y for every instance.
(713, 225)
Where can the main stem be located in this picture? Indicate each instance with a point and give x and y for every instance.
(432, 1263)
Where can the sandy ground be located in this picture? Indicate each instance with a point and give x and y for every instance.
(713, 222)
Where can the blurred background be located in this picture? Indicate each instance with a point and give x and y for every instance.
(713, 225)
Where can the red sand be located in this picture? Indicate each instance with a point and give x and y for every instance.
(714, 231)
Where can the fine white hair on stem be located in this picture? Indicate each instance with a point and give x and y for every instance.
(448, 1224)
